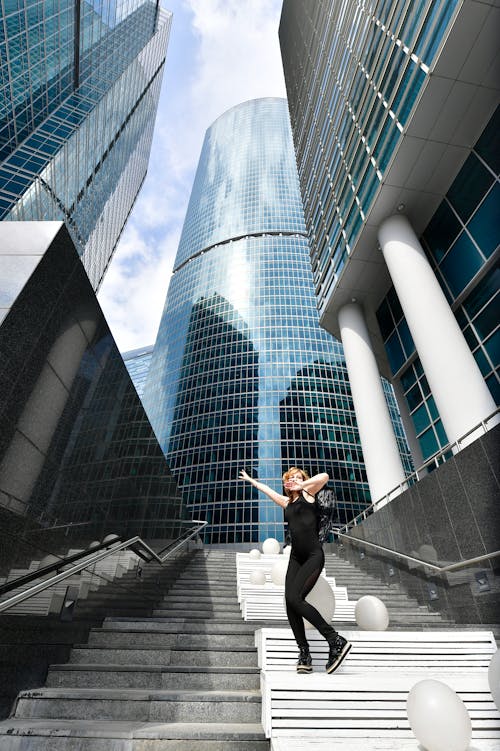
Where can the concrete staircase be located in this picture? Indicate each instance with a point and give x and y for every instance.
(404, 611)
(184, 678)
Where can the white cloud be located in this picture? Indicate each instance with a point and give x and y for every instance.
(221, 52)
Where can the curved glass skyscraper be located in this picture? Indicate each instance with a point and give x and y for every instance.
(242, 375)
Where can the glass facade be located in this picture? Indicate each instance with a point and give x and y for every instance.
(461, 242)
(137, 362)
(78, 457)
(242, 375)
(79, 89)
(353, 72)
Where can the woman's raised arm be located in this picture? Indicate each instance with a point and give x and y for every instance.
(281, 500)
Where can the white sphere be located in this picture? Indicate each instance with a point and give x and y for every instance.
(270, 546)
(322, 598)
(438, 717)
(278, 571)
(254, 553)
(371, 614)
(257, 577)
(427, 553)
(494, 678)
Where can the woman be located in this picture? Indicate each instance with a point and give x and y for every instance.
(306, 562)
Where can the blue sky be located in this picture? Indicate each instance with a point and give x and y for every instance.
(221, 52)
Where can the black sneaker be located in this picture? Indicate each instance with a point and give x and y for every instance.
(339, 649)
(304, 664)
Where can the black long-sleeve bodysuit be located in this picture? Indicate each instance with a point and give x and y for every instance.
(306, 563)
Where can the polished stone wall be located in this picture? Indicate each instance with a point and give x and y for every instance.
(452, 514)
(78, 457)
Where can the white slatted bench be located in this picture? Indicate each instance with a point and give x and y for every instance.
(266, 603)
(367, 696)
(371, 705)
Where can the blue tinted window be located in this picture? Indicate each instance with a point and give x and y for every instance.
(488, 145)
(494, 387)
(432, 408)
(421, 418)
(394, 304)
(384, 319)
(461, 264)
(395, 352)
(485, 224)
(483, 291)
(480, 357)
(406, 338)
(408, 378)
(428, 443)
(441, 231)
(469, 186)
(443, 438)
(486, 321)
(414, 397)
(492, 346)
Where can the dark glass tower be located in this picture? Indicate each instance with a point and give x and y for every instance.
(242, 375)
(78, 96)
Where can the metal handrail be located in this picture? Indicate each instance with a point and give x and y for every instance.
(414, 476)
(135, 543)
(412, 559)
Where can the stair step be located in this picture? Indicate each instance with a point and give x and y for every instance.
(161, 639)
(94, 735)
(245, 656)
(186, 705)
(152, 677)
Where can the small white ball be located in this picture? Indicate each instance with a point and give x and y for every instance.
(278, 571)
(270, 546)
(438, 717)
(254, 553)
(257, 577)
(371, 614)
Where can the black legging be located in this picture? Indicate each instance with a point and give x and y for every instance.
(301, 576)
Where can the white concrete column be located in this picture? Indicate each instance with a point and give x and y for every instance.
(380, 449)
(461, 394)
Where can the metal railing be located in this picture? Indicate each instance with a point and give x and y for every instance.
(419, 561)
(93, 556)
(433, 462)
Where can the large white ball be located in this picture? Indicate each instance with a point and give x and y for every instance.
(270, 546)
(371, 614)
(278, 571)
(322, 598)
(254, 553)
(257, 577)
(438, 717)
(494, 678)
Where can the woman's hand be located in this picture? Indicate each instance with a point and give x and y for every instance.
(244, 476)
(294, 484)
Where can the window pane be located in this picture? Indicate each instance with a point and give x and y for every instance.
(461, 264)
(421, 418)
(428, 443)
(469, 187)
(395, 352)
(384, 319)
(441, 231)
(443, 438)
(488, 145)
(408, 378)
(406, 338)
(494, 386)
(487, 321)
(492, 346)
(483, 291)
(485, 224)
